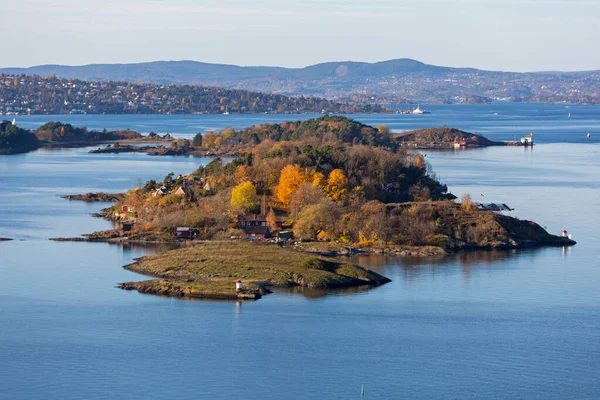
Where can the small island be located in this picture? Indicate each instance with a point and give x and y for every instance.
(14, 140)
(210, 270)
(452, 138)
(327, 186)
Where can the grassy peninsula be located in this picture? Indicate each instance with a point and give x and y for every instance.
(210, 270)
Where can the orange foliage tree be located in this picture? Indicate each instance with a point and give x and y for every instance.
(271, 218)
(290, 179)
(242, 174)
(419, 161)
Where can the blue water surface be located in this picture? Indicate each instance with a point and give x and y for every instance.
(482, 325)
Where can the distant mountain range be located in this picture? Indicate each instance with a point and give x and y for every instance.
(401, 80)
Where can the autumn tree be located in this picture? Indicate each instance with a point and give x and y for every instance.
(420, 193)
(419, 162)
(271, 219)
(318, 180)
(467, 203)
(383, 129)
(370, 224)
(242, 174)
(317, 220)
(208, 140)
(290, 179)
(306, 194)
(243, 197)
(337, 185)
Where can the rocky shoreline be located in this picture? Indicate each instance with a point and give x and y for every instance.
(97, 197)
(328, 249)
(150, 150)
(167, 289)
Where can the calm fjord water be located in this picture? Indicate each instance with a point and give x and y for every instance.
(479, 325)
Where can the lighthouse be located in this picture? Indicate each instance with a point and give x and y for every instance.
(238, 285)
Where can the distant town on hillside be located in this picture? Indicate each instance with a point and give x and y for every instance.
(395, 81)
(30, 94)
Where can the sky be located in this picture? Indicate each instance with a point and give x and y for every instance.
(507, 35)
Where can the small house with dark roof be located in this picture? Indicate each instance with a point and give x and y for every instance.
(258, 220)
(260, 232)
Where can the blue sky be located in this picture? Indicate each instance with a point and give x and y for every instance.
(524, 35)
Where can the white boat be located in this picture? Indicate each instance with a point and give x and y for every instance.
(569, 115)
(419, 111)
(226, 112)
(588, 135)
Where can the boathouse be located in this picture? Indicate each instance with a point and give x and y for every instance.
(184, 232)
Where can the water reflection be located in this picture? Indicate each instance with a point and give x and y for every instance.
(566, 251)
(466, 262)
(467, 258)
(317, 293)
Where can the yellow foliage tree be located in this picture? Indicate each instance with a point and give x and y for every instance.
(318, 180)
(383, 129)
(208, 140)
(290, 179)
(337, 185)
(243, 197)
(467, 204)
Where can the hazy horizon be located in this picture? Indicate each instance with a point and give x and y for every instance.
(509, 35)
(292, 67)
